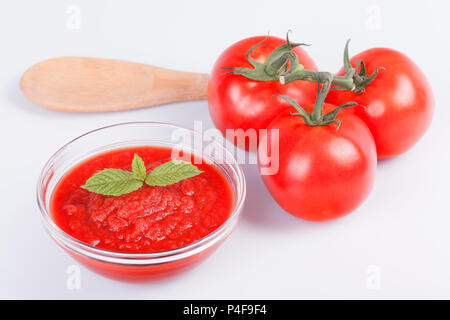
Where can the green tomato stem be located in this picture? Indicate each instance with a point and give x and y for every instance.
(298, 73)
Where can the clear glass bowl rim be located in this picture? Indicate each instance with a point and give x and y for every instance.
(141, 258)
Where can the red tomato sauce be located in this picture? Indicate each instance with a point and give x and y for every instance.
(150, 219)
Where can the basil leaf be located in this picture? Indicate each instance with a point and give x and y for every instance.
(112, 182)
(171, 172)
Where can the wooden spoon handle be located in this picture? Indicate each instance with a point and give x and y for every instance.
(96, 85)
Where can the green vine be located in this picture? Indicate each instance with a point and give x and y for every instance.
(316, 117)
(283, 65)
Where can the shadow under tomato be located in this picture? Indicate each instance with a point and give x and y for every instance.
(261, 209)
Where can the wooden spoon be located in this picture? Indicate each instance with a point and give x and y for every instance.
(97, 85)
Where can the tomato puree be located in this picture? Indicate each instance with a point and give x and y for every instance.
(150, 219)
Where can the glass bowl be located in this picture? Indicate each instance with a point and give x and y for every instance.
(138, 267)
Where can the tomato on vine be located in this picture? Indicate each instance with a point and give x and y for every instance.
(399, 100)
(246, 76)
(326, 164)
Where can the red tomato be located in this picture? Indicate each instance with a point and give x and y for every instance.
(236, 102)
(399, 101)
(324, 172)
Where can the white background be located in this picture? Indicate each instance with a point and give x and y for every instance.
(400, 235)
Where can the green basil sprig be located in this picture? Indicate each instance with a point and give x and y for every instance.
(115, 182)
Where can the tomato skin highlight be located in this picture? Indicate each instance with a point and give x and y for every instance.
(236, 102)
(324, 172)
(399, 101)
